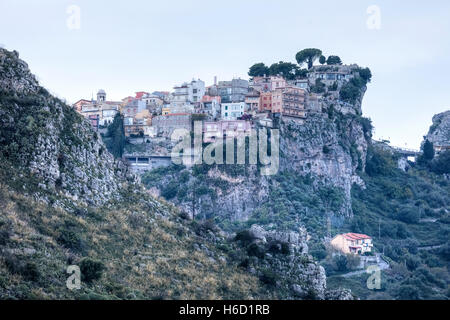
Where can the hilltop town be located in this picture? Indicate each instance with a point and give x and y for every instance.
(339, 203)
(226, 108)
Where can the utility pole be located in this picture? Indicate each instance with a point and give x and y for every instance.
(193, 201)
(328, 226)
(379, 228)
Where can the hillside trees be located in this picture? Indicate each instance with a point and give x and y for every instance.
(308, 56)
(322, 60)
(288, 70)
(258, 70)
(116, 133)
(334, 60)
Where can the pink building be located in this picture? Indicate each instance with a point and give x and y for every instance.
(265, 101)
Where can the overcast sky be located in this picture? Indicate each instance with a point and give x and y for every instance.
(128, 46)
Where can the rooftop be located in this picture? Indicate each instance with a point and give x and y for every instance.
(356, 236)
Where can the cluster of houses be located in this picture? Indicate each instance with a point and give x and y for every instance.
(225, 105)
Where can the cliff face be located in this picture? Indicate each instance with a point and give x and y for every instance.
(328, 149)
(439, 133)
(42, 136)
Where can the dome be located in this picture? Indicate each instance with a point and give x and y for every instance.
(101, 91)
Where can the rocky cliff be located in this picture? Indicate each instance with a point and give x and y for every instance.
(42, 136)
(323, 154)
(439, 133)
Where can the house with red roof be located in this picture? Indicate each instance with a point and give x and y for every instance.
(354, 243)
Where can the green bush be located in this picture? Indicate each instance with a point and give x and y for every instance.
(268, 277)
(170, 191)
(91, 270)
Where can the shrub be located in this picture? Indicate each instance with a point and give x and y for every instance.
(91, 269)
(409, 215)
(441, 163)
(255, 250)
(28, 270)
(31, 272)
(170, 191)
(245, 236)
(72, 240)
(268, 277)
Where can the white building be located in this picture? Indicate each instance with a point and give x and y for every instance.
(188, 93)
(104, 110)
(352, 243)
(231, 111)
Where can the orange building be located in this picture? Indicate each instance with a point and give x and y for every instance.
(265, 101)
(288, 101)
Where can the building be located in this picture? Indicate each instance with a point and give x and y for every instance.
(252, 101)
(188, 93)
(108, 114)
(352, 243)
(330, 74)
(289, 101)
(214, 129)
(152, 100)
(211, 105)
(300, 83)
(267, 83)
(166, 124)
(265, 102)
(102, 110)
(139, 124)
(233, 91)
(80, 103)
(132, 108)
(232, 111)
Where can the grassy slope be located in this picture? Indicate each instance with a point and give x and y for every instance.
(147, 249)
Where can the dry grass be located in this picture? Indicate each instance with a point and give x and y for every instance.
(148, 260)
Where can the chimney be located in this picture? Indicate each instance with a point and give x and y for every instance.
(215, 80)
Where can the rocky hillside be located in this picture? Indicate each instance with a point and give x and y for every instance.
(439, 133)
(65, 201)
(43, 137)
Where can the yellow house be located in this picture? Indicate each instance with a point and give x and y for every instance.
(352, 243)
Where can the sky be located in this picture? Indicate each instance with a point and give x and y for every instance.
(128, 46)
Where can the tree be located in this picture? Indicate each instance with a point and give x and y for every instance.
(258, 70)
(322, 60)
(441, 164)
(116, 133)
(332, 60)
(365, 74)
(91, 269)
(288, 70)
(308, 56)
(428, 150)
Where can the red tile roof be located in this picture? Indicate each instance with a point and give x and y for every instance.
(356, 236)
